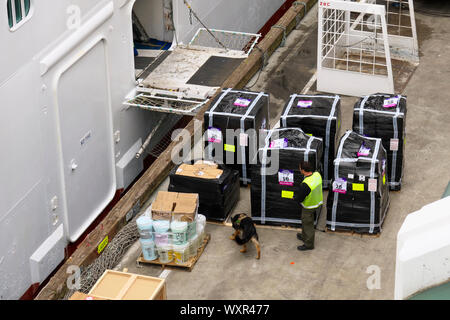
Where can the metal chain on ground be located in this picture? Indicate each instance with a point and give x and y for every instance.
(110, 257)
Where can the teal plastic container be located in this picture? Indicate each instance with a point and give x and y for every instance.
(161, 232)
(148, 249)
(145, 227)
(179, 232)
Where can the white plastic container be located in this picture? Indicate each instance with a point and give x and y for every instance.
(161, 232)
(148, 249)
(179, 232)
(192, 229)
(196, 243)
(200, 233)
(192, 248)
(181, 253)
(145, 227)
(165, 253)
(201, 219)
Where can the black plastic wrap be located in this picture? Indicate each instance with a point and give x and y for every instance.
(389, 125)
(354, 206)
(280, 207)
(224, 114)
(322, 119)
(217, 197)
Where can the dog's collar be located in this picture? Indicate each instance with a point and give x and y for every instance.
(241, 217)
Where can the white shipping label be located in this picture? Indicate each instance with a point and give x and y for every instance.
(286, 177)
(372, 185)
(351, 176)
(362, 178)
(394, 145)
(243, 139)
(214, 135)
(340, 185)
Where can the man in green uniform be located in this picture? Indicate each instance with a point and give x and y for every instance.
(311, 199)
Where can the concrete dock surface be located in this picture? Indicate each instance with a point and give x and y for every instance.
(338, 266)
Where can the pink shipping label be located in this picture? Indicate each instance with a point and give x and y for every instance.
(304, 104)
(390, 103)
(279, 143)
(214, 135)
(363, 151)
(240, 102)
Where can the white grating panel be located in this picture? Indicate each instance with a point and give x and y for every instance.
(166, 103)
(239, 41)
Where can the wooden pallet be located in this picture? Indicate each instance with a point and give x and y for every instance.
(353, 233)
(188, 265)
(259, 226)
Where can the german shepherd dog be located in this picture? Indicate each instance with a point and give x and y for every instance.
(244, 225)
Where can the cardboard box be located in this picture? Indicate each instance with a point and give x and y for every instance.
(163, 205)
(200, 170)
(174, 205)
(186, 207)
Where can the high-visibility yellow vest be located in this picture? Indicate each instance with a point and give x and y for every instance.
(315, 197)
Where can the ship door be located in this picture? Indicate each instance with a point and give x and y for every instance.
(86, 139)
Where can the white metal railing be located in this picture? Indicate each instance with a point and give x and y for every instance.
(353, 48)
(165, 103)
(232, 40)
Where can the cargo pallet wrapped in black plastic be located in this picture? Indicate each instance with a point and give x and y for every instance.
(359, 197)
(276, 177)
(319, 115)
(238, 111)
(384, 116)
(217, 197)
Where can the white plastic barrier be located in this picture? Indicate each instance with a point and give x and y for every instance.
(423, 249)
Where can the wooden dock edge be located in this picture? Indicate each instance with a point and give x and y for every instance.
(141, 191)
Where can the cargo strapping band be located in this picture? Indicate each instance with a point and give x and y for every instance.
(244, 167)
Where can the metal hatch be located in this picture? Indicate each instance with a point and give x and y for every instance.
(173, 85)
